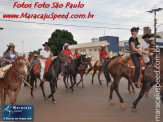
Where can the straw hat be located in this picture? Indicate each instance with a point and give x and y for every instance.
(35, 55)
(11, 44)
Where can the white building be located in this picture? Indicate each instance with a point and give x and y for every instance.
(91, 48)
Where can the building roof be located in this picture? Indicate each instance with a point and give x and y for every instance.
(90, 44)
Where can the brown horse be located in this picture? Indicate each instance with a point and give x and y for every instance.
(97, 67)
(13, 80)
(118, 71)
(82, 70)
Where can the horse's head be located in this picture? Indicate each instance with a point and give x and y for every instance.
(83, 59)
(20, 66)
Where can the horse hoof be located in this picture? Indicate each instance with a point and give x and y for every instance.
(130, 92)
(67, 89)
(111, 102)
(74, 92)
(54, 102)
(123, 105)
(32, 97)
(134, 109)
(45, 98)
(146, 94)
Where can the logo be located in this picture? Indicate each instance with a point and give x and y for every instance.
(17, 112)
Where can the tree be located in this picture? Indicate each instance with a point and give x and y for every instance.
(58, 38)
(157, 36)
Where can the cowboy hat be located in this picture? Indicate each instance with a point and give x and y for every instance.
(146, 36)
(46, 43)
(11, 44)
(134, 29)
(35, 55)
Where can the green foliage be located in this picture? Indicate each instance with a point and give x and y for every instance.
(58, 38)
(157, 36)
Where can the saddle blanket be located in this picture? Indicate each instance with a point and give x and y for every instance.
(37, 68)
(4, 70)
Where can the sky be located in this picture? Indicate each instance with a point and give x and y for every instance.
(111, 18)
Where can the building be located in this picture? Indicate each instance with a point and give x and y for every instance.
(91, 48)
(113, 41)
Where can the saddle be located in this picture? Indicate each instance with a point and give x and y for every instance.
(4, 70)
(129, 63)
(37, 67)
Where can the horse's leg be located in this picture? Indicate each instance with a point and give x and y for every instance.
(1, 95)
(52, 91)
(11, 97)
(16, 94)
(71, 84)
(67, 80)
(42, 88)
(31, 83)
(133, 89)
(64, 79)
(129, 87)
(80, 80)
(99, 77)
(117, 92)
(94, 72)
(146, 93)
(111, 94)
(4, 96)
(143, 89)
(35, 82)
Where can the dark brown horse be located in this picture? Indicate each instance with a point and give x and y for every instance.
(118, 71)
(13, 80)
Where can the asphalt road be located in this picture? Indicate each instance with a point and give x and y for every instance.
(89, 104)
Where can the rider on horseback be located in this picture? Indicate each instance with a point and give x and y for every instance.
(9, 55)
(45, 54)
(68, 53)
(146, 46)
(134, 52)
(103, 55)
(76, 54)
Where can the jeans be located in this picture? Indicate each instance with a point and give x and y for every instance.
(103, 63)
(63, 68)
(135, 59)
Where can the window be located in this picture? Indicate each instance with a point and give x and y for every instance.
(95, 49)
(84, 50)
(90, 50)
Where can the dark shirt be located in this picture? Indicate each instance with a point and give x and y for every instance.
(135, 40)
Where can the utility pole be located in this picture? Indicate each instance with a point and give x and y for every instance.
(155, 21)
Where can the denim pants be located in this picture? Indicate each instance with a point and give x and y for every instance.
(63, 68)
(103, 63)
(135, 59)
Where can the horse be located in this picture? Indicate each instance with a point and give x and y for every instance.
(51, 76)
(13, 80)
(82, 70)
(71, 70)
(96, 67)
(122, 71)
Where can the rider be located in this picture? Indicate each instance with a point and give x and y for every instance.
(34, 60)
(30, 56)
(134, 52)
(68, 53)
(103, 55)
(76, 54)
(146, 46)
(45, 54)
(9, 55)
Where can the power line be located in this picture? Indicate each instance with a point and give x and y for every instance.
(64, 25)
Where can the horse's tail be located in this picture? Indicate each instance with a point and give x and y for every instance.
(106, 71)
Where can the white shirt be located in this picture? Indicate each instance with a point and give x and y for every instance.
(45, 54)
(145, 45)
